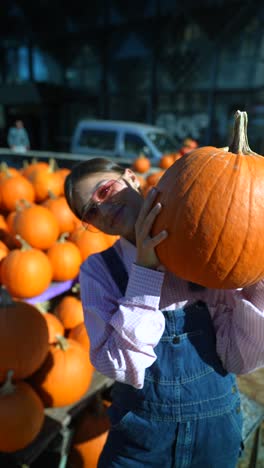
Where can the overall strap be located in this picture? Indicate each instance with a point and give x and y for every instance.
(116, 268)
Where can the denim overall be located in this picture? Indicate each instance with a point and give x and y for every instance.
(188, 412)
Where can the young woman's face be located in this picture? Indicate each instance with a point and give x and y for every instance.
(111, 202)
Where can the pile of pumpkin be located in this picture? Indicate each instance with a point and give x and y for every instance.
(142, 165)
(41, 240)
(42, 353)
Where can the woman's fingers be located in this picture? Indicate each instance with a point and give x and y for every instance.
(154, 241)
(147, 205)
(149, 220)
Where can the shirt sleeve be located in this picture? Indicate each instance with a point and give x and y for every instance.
(123, 331)
(238, 317)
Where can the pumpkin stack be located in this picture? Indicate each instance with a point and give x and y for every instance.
(44, 241)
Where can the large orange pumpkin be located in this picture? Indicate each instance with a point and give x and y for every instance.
(65, 376)
(23, 338)
(65, 258)
(90, 436)
(37, 225)
(213, 210)
(21, 415)
(26, 272)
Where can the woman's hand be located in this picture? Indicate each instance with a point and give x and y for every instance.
(146, 255)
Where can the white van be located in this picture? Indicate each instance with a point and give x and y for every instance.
(120, 139)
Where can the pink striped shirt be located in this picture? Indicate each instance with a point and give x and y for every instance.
(124, 331)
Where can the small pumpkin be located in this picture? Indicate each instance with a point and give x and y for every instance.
(166, 161)
(65, 259)
(141, 164)
(65, 376)
(79, 334)
(21, 415)
(45, 180)
(37, 225)
(55, 326)
(213, 211)
(59, 207)
(23, 337)
(89, 242)
(26, 272)
(69, 310)
(13, 189)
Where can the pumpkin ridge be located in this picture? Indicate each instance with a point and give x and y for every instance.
(232, 267)
(207, 199)
(201, 169)
(226, 215)
(247, 231)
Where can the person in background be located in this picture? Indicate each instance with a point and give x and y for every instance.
(17, 137)
(173, 348)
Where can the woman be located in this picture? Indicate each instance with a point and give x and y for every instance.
(172, 347)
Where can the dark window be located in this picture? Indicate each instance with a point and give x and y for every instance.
(98, 139)
(134, 144)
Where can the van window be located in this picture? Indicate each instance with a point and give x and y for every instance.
(134, 144)
(98, 139)
(163, 142)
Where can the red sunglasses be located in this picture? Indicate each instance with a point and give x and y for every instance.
(100, 195)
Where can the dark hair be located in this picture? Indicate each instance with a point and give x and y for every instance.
(82, 170)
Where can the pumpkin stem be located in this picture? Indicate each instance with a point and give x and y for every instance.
(53, 166)
(6, 299)
(63, 237)
(62, 342)
(24, 244)
(52, 195)
(8, 387)
(239, 144)
(4, 168)
(25, 202)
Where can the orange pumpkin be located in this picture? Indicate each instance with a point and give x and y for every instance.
(6, 171)
(23, 337)
(69, 311)
(4, 250)
(65, 376)
(26, 272)
(29, 168)
(79, 334)
(37, 225)
(55, 327)
(153, 178)
(13, 189)
(46, 180)
(65, 259)
(21, 415)
(213, 211)
(59, 207)
(3, 223)
(141, 164)
(90, 436)
(89, 242)
(166, 161)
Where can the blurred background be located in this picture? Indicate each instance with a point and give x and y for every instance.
(185, 66)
